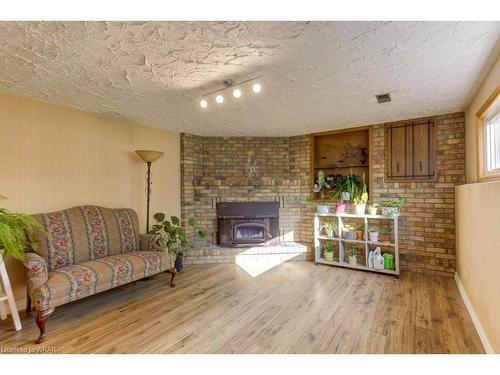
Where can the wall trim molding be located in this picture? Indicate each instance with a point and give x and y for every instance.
(475, 319)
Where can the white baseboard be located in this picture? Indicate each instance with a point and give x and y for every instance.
(475, 319)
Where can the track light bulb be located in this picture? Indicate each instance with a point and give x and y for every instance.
(219, 99)
(203, 104)
(256, 88)
(237, 93)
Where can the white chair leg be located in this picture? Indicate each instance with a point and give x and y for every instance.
(10, 297)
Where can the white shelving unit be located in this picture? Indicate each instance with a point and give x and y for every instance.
(342, 243)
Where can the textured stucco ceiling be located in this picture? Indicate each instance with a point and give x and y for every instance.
(316, 75)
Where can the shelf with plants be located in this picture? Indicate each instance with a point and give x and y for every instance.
(359, 241)
(335, 154)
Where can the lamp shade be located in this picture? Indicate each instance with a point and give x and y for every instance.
(149, 156)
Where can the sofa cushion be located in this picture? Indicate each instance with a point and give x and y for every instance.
(72, 282)
(84, 233)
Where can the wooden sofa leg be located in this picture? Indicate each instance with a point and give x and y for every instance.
(41, 318)
(173, 272)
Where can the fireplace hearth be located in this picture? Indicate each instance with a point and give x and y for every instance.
(247, 224)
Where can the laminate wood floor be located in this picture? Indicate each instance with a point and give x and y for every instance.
(296, 307)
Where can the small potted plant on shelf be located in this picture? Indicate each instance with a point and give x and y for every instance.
(348, 232)
(352, 252)
(385, 234)
(373, 208)
(360, 231)
(328, 250)
(392, 207)
(172, 236)
(330, 229)
(360, 198)
(373, 233)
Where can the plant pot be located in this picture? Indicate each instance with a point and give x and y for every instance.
(372, 210)
(353, 260)
(390, 211)
(330, 233)
(178, 262)
(328, 255)
(359, 209)
(349, 235)
(339, 208)
(323, 209)
(385, 238)
(359, 234)
(373, 236)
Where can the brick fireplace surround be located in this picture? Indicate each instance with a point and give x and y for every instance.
(215, 169)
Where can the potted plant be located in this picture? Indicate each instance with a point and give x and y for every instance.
(320, 187)
(328, 250)
(351, 252)
(337, 193)
(173, 237)
(330, 229)
(373, 208)
(360, 231)
(385, 234)
(17, 234)
(360, 198)
(392, 207)
(351, 185)
(348, 232)
(373, 233)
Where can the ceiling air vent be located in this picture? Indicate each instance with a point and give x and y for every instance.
(383, 98)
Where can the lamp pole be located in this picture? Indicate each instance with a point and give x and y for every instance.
(148, 195)
(149, 156)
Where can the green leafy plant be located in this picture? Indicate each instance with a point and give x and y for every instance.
(360, 226)
(172, 235)
(328, 247)
(17, 233)
(384, 231)
(399, 202)
(330, 228)
(338, 188)
(361, 194)
(351, 184)
(352, 251)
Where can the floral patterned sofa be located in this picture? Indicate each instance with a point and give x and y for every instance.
(88, 250)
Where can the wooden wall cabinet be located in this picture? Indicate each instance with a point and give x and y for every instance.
(340, 151)
(411, 150)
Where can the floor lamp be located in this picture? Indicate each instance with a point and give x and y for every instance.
(149, 157)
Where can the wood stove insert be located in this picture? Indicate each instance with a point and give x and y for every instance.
(247, 223)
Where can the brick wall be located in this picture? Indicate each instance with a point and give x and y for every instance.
(213, 170)
(427, 225)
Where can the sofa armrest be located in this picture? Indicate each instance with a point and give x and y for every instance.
(36, 271)
(149, 242)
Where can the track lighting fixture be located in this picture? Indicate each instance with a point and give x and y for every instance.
(238, 88)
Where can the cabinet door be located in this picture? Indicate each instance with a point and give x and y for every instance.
(423, 157)
(410, 150)
(397, 151)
